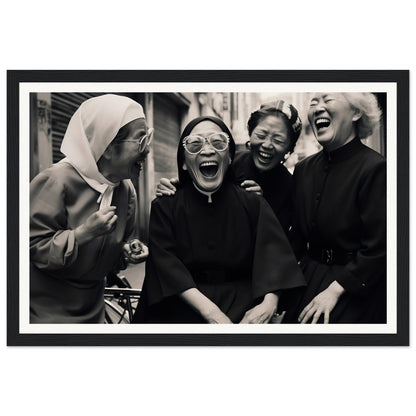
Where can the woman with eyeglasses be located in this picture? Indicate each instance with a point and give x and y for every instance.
(82, 210)
(213, 245)
(274, 129)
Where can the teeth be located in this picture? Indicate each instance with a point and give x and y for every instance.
(322, 122)
(265, 155)
(203, 164)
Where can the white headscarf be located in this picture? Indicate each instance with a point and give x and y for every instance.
(91, 129)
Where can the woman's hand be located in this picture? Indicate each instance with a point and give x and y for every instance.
(204, 306)
(323, 303)
(133, 257)
(263, 312)
(99, 223)
(252, 186)
(216, 316)
(166, 187)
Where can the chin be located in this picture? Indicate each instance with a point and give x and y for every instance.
(263, 167)
(208, 186)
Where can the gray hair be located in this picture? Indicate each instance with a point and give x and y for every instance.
(367, 104)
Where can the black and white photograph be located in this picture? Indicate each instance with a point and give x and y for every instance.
(164, 201)
(169, 165)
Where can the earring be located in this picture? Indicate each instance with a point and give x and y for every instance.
(285, 157)
(248, 145)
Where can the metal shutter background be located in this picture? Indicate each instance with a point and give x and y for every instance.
(167, 124)
(62, 108)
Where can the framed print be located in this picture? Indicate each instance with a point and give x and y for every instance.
(290, 207)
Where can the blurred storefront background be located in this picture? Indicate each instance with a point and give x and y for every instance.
(168, 113)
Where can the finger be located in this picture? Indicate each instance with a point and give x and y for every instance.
(255, 189)
(308, 315)
(326, 317)
(107, 210)
(245, 319)
(112, 222)
(107, 216)
(305, 309)
(247, 182)
(167, 184)
(317, 315)
(174, 181)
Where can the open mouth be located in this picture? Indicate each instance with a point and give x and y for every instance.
(265, 157)
(209, 169)
(322, 123)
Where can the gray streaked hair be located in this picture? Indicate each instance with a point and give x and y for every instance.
(367, 104)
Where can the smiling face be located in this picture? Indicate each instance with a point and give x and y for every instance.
(208, 167)
(332, 119)
(123, 158)
(269, 142)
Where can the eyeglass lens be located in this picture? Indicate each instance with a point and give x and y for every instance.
(194, 144)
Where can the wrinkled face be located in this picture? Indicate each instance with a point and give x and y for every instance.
(127, 156)
(332, 119)
(208, 167)
(269, 141)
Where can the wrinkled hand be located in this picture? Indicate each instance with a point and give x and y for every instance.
(323, 303)
(217, 317)
(99, 223)
(262, 313)
(167, 187)
(252, 186)
(135, 258)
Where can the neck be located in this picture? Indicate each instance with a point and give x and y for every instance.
(331, 146)
(207, 193)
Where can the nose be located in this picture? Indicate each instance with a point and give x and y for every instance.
(207, 149)
(320, 107)
(268, 144)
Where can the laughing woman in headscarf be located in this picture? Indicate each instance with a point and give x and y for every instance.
(82, 210)
(217, 253)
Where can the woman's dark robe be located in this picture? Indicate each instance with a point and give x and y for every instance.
(340, 204)
(276, 184)
(232, 249)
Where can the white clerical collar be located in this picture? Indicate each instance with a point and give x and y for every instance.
(208, 194)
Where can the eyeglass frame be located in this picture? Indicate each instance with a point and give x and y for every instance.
(148, 135)
(206, 140)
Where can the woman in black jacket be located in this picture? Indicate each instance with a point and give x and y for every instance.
(339, 232)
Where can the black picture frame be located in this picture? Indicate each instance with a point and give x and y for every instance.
(15, 78)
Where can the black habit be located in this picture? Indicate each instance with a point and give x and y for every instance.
(276, 185)
(339, 231)
(232, 249)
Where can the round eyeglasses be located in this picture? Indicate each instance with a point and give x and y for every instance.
(143, 141)
(194, 143)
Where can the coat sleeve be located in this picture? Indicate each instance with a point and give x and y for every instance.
(369, 266)
(52, 245)
(274, 267)
(166, 275)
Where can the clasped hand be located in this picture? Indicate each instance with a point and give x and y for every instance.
(133, 257)
(263, 312)
(98, 223)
